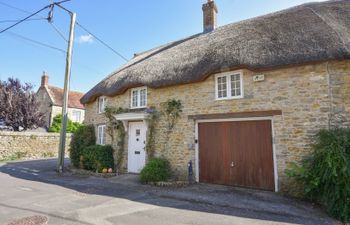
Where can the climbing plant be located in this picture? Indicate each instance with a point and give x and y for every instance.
(171, 110)
(150, 139)
(116, 131)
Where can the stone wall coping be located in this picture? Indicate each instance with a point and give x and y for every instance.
(37, 134)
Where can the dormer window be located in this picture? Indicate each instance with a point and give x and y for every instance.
(229, 86)
(138, 97)
(101, 104)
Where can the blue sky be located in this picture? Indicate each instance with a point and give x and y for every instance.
(129, 26)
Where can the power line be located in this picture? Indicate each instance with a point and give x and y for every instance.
(81, 26)
(102, 42)
(13, 7)
(39, 18)
(58, 32)
(24, 19)
(36, 42)
(12, 21)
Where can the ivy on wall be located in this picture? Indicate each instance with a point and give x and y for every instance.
(171, 110)
(150, 137)
(116, 131)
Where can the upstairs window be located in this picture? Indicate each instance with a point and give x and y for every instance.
(76, 116)
(101, 104)
(101, 134)
(229, 86)
(139, 97)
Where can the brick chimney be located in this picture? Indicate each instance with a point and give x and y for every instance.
(210, 12)
(44, 80)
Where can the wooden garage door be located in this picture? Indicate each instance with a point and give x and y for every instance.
(237, 153)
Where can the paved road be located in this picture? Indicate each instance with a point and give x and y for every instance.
(32, 188)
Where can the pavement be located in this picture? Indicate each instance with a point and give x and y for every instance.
(31, 191)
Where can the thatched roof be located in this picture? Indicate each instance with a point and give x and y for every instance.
(308, 33)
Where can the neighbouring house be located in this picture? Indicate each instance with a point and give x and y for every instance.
(51, 102)
(254, 93)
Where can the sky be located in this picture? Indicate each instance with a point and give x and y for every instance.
(128, 26)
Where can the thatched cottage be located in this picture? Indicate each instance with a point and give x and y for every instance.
(253, 94)
(51, 102)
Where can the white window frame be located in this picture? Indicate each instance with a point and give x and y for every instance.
(101, 134)
(101, 100)
(228, 85)
(138, 106)
(79, 118)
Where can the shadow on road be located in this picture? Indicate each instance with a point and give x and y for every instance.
(200, 197)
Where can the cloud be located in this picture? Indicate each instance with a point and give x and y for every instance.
(85, 39)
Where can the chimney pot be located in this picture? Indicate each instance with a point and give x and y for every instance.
(45, 80)
(210, 12)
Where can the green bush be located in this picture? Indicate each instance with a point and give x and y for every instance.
(156, 170)
(83, 137)
(98, 157)
(56, 125)
(325, 175)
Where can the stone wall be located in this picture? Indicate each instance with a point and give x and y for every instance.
(304, 94)
(30, 145)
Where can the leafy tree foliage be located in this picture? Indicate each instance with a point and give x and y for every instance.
(19, 107)
(56, 125)
(325, 175)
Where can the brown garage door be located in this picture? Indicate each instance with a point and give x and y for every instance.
(237, 153)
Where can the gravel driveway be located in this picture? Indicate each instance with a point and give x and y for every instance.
(32, 191)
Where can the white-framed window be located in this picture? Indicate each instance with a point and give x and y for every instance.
(138, 97)
(76, 116)
(229, 85)
(101, 134)
(101, 106)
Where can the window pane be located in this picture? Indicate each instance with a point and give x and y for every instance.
(143, 96)
(101, 104)
(104, 135)
(235, 85)
(99, 133)
(222, 87)
(134, 98)
(76, 116)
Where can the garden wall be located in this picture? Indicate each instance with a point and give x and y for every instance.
(29, 145)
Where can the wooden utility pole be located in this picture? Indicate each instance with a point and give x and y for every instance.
(61, 151)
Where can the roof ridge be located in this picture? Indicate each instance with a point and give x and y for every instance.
(50, 86)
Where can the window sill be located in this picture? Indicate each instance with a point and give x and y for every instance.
(230, 98)
(141, 107)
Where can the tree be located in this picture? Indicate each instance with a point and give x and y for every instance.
(19, 107)
(56, 125)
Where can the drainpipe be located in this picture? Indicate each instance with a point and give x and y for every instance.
(330, 96)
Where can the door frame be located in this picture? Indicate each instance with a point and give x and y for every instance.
(130, 123)
(236, 119)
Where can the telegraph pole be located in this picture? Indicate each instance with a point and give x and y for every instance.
(62, 145)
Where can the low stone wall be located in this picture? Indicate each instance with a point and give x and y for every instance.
(29, 145)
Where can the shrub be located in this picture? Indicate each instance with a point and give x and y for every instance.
(325, 175)
(56, 125)
(156, 170)
(98, 157)
(83, 137)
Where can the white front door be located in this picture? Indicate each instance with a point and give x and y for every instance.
(136, 147)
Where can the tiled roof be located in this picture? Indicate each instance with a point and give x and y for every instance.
(73, 99)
